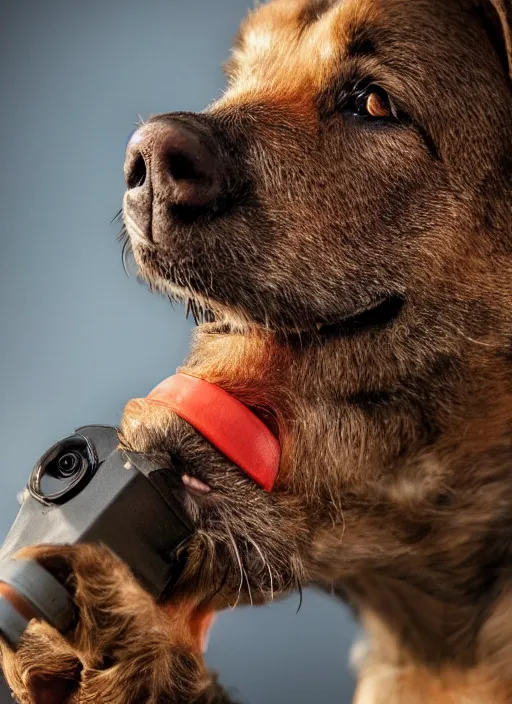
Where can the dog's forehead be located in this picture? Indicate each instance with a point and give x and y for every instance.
(284, 24)
(295, 47)
(288, 51)
(285, 44)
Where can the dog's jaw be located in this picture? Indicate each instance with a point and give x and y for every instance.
(216, 318)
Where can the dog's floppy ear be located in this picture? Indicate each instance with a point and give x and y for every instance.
(497, 17)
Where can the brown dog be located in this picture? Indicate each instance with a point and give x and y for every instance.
(341, 219)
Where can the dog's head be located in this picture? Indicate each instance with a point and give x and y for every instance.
(357, 156)
(340, 221)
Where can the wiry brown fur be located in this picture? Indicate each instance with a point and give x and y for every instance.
(100, 661)
(395, 485)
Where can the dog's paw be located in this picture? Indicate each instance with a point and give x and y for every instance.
(123, 649)
(249, 545)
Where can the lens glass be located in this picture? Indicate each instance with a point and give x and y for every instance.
(63, 469)
(68, 464)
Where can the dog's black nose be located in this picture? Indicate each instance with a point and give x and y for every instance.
(173, 162)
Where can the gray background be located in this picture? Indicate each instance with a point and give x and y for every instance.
(77, 337)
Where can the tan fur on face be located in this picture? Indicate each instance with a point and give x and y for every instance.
(395, 486)
(278, 63)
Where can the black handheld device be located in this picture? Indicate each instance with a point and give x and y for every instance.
(85, 489)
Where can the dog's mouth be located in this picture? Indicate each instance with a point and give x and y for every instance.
(379, 315)
(217, 318)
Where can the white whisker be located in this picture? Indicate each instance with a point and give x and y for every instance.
(248, 586)
(265, 564)
(239, 559)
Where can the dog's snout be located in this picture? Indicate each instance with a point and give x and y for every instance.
(172, 162)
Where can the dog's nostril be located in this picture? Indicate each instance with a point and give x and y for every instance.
(176, 163)
(182, 167)
(137, 175)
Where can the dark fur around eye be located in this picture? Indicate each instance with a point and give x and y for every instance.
(351, 102)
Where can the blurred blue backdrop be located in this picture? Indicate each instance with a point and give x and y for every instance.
(77, 337)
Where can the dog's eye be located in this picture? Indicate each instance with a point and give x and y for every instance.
(373, 102)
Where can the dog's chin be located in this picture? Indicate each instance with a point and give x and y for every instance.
(214, 318)
(377, 316)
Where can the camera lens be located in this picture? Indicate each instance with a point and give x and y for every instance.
(63, 470)
(68, 464)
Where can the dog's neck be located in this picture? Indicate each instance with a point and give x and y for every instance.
(417, 528)
(427, 551)
(444, 597)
